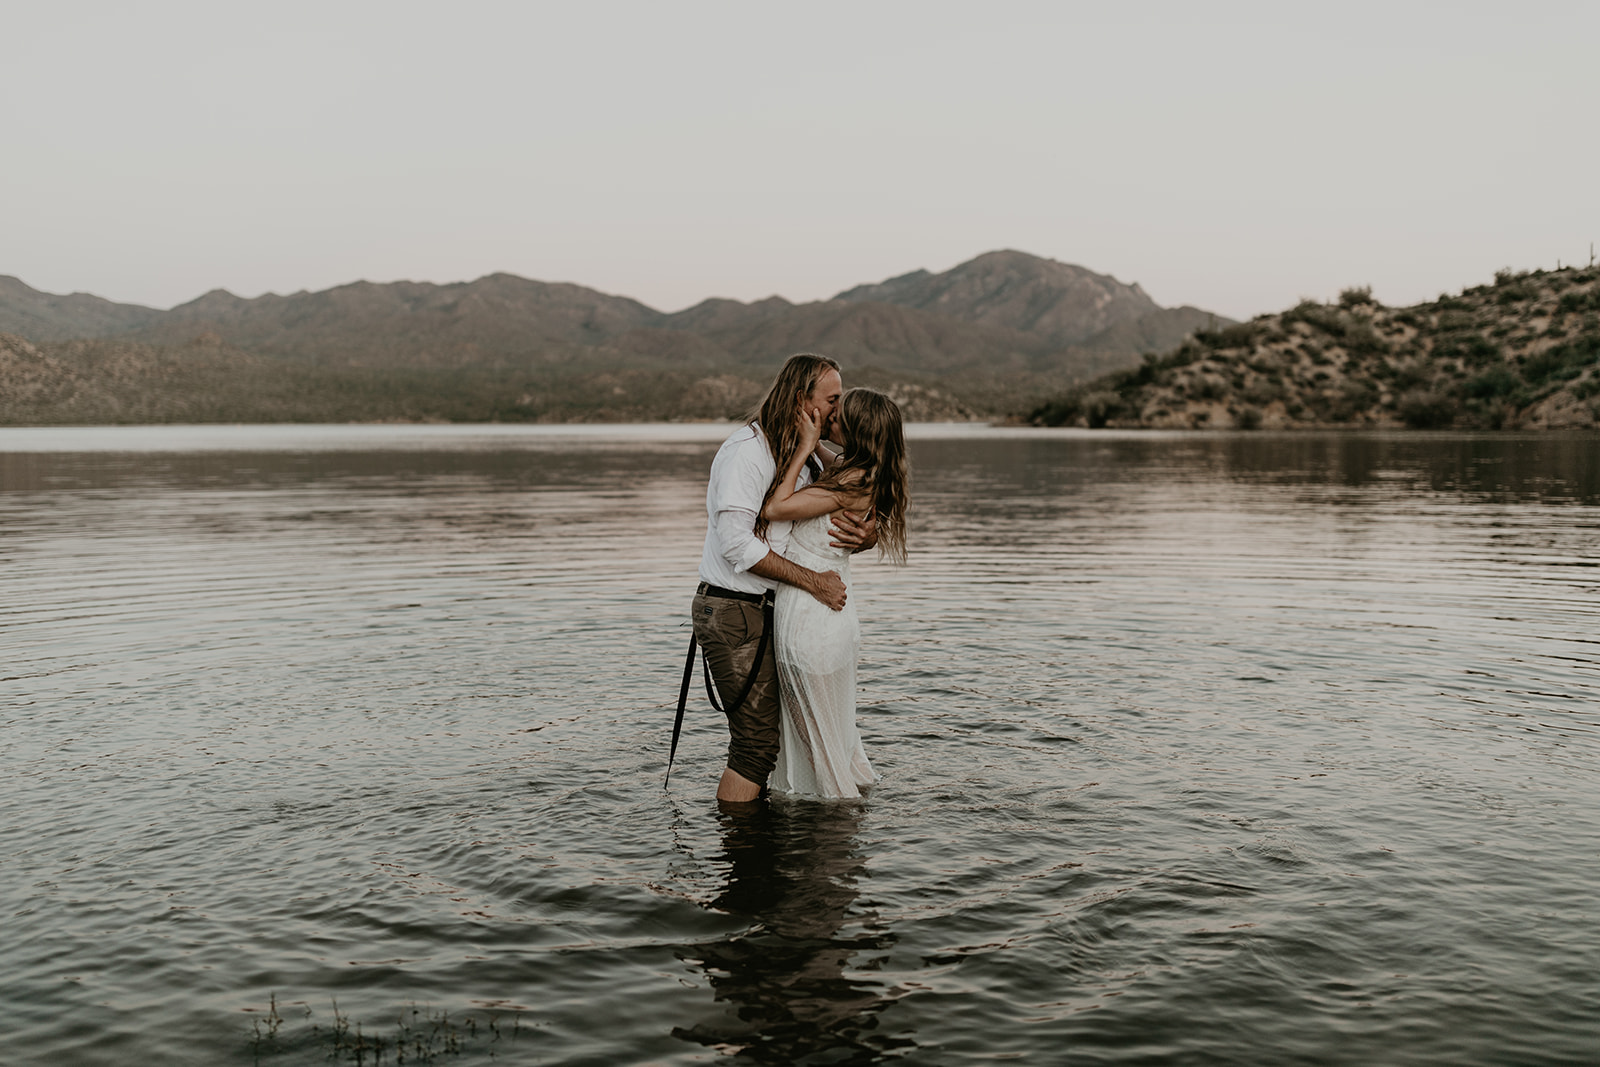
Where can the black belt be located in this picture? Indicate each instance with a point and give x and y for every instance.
(707, 589)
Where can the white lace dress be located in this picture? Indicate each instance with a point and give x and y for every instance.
(819, 748)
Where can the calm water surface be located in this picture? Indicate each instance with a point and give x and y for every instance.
(340, 743)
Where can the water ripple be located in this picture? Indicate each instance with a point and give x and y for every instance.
(1196, 749)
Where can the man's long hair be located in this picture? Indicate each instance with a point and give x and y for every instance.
(778, 415)
(874, 463)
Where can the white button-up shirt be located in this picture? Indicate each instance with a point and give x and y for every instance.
(739, 478)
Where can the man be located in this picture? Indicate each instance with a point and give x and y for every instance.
(739, 570)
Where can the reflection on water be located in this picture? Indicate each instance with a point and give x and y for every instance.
(1552, 467)
(1197, 749)
(791, 987)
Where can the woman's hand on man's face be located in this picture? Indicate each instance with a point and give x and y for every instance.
(811, 425)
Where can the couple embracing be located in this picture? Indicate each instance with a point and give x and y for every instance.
(784, 513)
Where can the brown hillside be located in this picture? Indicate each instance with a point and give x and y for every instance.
(879, 335)
(498, 318)
(1001, 313)
(117, 381)
(718, 315)
(27, 312)
(1522, 352)
(989, 339)
(1058, 303)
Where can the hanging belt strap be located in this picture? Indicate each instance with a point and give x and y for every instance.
(683, 698)
(688, 673)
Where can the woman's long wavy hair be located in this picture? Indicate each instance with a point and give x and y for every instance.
(874, 462)
(778, 415)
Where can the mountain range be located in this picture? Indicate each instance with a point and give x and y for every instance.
(994, 330)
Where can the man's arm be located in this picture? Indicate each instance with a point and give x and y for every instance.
(737, 491)
(853, 531)
(826, 586)
(744, 551)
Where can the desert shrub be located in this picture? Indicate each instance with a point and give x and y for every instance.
(1588, 300)
(1269, 363)
(1153, 368)
(1182, 356)
(1360, 339)
(1354, 398)
(1474, 350)
(1426, 410)
(1490, 414)
(1208, 387)
(1247, 418)
(1357, 296)
(1493, 383)
(1100, 408)
(1317, 316)
(1130, 381)
(1265, 391)
(1061, 411)
(1585, 389)
(1562, 362)
(1239, 335)
(1404, 374)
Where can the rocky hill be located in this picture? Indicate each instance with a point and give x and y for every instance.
(979, 340)
(1057, 303)
(1523, 352)
(1061, 307)
(48, 317)
(112, 381)
(497, 319)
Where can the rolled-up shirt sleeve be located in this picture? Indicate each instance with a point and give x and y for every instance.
(736, 534)
(740, 475)
(736, 502)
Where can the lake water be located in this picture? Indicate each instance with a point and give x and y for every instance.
(346, 743)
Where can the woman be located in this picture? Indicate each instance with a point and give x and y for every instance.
(819, 751)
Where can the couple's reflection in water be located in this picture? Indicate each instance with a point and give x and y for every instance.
(789, 986)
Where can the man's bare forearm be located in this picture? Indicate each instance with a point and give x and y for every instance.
(826, 586)
(779, 569)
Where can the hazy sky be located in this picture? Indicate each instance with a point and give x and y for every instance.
(1234, 156)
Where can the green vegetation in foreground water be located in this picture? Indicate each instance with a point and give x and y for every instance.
(1522, 353)
(420, 1035)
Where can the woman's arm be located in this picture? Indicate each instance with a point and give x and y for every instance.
(800, 505)
(788, 502)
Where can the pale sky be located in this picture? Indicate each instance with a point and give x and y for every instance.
(1234, 156)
